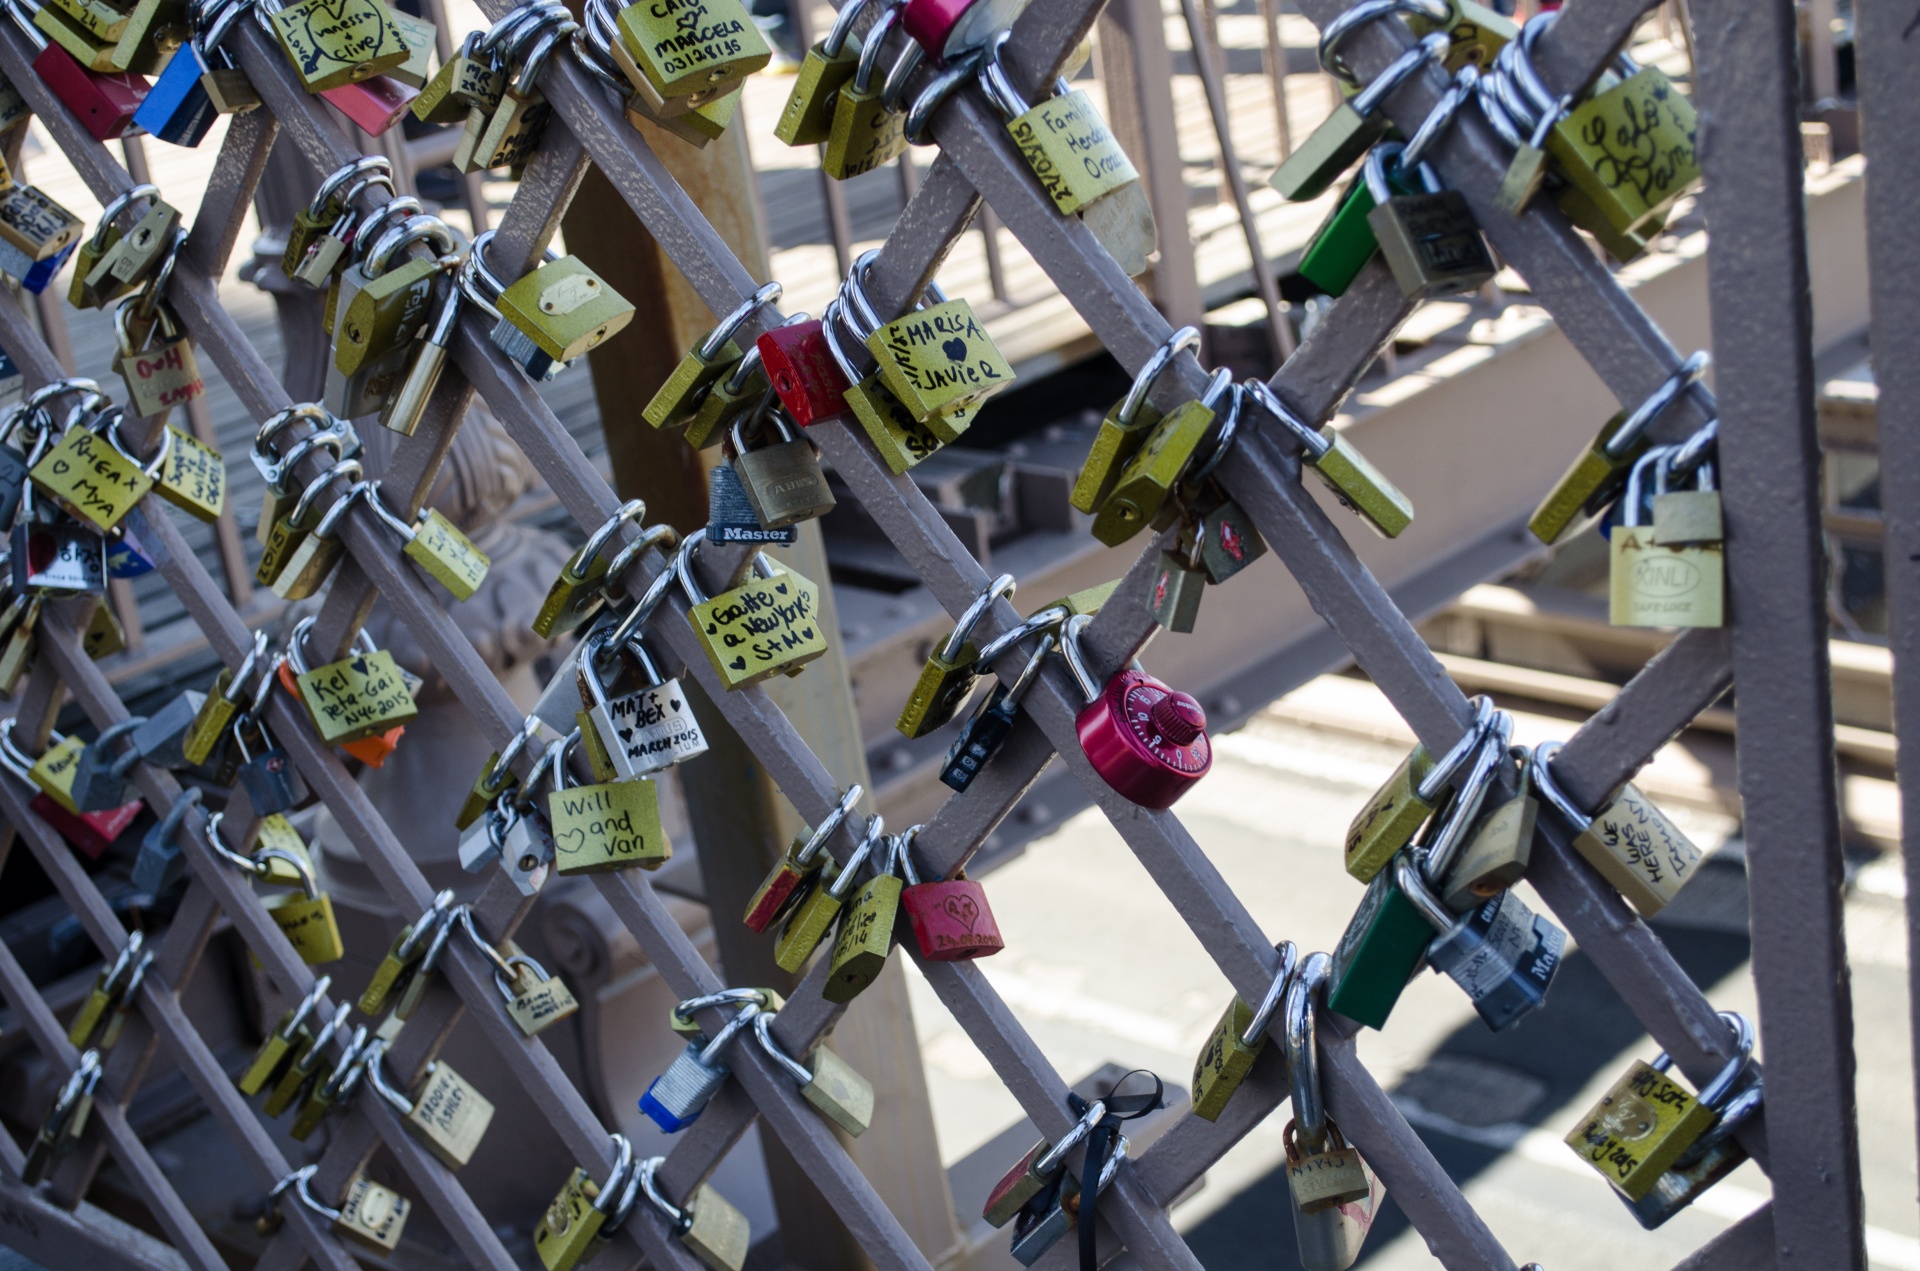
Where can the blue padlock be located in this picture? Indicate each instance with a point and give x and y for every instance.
(678, 1096)
(178, 109)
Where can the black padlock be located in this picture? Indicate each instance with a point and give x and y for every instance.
(13, 479)
(268, 776)
(99, 775)
(986, 731)
(161, 864)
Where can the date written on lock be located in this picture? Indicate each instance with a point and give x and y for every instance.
(357, 697)
(766, 626)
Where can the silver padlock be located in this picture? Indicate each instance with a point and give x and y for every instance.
(678, 1096)
(648, 729)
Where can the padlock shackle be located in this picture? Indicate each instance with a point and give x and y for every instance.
(995, 83)
(708, 1056)
(170, 824)
(302, 506)
(763, 1031)
(504, 980)
(1310, 439)
(870, 45)
(633, 625)
(435, 915)
(118, 204)
(1431, 49)
(1076, 658)
(495, 779)
(373, 167)
(842, 28)
(1044, 620)
(834, 820)
(1347, 23)
(237, 687)
(894, 87)
(309, 884)
(346, 1074)
(1410, 878)
(1185, 340)
(903, 853)
(681, 1017)
(768, 293)
(122, 962)
(114, 732)
(681, 1219)
(876, 833)
(1458, 818)
(834, 315)
(1692, 453)
(1374, 172)
(462, 917)
(308, 1061)
(1716, 1092)
(422, 228)
(1438, 118)
(1303, 1055)
(1276, 992)
(1491, 93)
(1055, 1156)
(950, 79)
(683, 567)
(1441, 775)
(663, 536)
(306, 1007)
(1655, 458)
(1657, 403)
(376, 1078)
(1001, 588)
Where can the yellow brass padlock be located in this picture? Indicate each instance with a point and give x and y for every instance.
(360, 696)
(332, 43)
(91, 479)
(1355, 482)
(715, 355)
(306, 919)
(565, 308)
(1126, 426)
(686, 46)
(1148, 480)
(863, 134)
(767, 626)
(1629, 841)
(193, 477)
(612, 825)
(938, 359)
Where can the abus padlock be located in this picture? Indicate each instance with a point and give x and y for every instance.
(1146, 740)
(1429, 240)
(678, 1096)
(1501, 953)
(827, 1081)
(950, 917)
(782, 477)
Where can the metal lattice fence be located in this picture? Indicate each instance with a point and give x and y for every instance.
(1774, 648)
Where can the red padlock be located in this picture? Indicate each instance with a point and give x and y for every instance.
(947, 28)
(1146, 740)
(103, 103)
(952, 921)
(376, 103)
(90, 833)
(803, 372)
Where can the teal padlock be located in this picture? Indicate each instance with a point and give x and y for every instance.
(1378, 954)
(1345, 241)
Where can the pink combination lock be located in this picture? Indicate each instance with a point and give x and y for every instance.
(375, 104)
(802, 370)
(1149, 742)
(948, 28)
(952, 921)
(90, 833)
(103, 103)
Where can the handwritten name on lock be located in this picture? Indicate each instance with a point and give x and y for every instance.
(360, 695)
(653, 725)
(195, 477)
(1644, 840)
(161, 378)
(90, 478)
(761, 627)
(939, 356)
(37, 219)
(1071, 150)
(326, 37)
(607, 825)
(686, 36)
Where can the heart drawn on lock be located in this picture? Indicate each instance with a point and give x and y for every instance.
(963, 910)
(570, 841)
(711, 628)
(955, 349)
(739, 663)
(360, 666)
(807, 634)
(781, 588)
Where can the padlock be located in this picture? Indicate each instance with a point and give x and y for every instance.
(686, 49)
(1033, 1173)
(306, 917)
(65, 1121)
(713, 357)
(526, 849)
(277, 1048)
(607, 826)
(865, 937)
(468, 79)
(535, 1000)
(387, 302)
(766, 626)
(1237, 1041)
(1601, 471)
(111, 264)
(218, 707)
(407, 949)
(373, 1215)
(1713, 1156)
(413, 988)
(712, 1229)
(362, 696)
(99, 777)
(1079, 164)
(447, 1114)
(676, 1098)
(826, 1081)
(1646, 1123)
(36, 236)
(1325, 1177)
(948, 28)
(1335, 1195)
(193, 476)
(1352, 128)
(950, 917)
(938, 359)
(564, 309)
(953, 668)
(105, 104)
(1178, 585)
(1501, 845)
(730, 514)
(1654, 585)
(112, 992)
(408, 404)
(272, 784)
(91, 480)
(336, 42)
(1147, 741)
(812, 917)
(1430, 240)
(1127, 426)
(1056, 1211)
(1632, 844)
(645, 730)
(302, 558)
(992, 721)
(1354, 481)
(901, 440)
(807, 117)
(322, 1095)
(1682, 517)
(331, 203)
(782, 477)
(802, 370)
(310, 1063)
(1501, 954)
(1147, 482)
(863, 133)
(52, 556)
(569, 1233)
(580, 590)
(1475, 34)
(178, 109)
(803, 860)
(1397, 809)
(159, 369)
(161, 864)
(104, 37)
